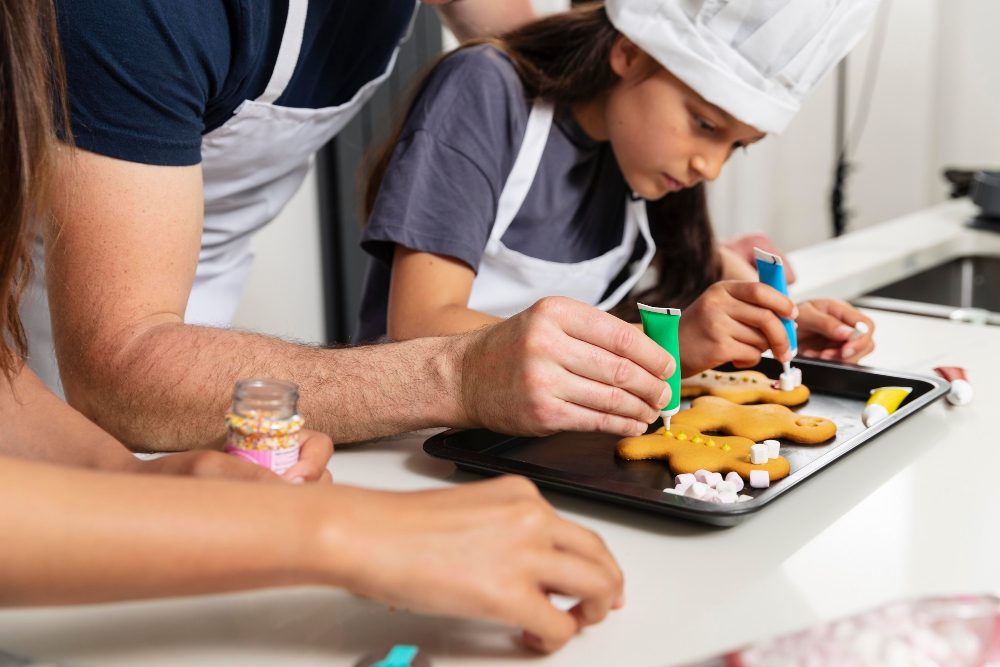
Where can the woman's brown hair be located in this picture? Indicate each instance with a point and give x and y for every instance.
(565, 59)
(33, 112)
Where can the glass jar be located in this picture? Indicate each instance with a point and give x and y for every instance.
(264, 423)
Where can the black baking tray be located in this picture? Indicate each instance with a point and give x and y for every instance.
(585, 463)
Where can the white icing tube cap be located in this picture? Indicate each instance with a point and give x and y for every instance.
(873, 414)
(961, 392)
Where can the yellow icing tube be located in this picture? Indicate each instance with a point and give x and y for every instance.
(883, 402)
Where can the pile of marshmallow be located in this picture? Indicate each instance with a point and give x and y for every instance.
(712, 488)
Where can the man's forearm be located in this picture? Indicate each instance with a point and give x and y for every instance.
(78, 536)
(169, 388)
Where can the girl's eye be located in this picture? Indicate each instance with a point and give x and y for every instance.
(705, 125)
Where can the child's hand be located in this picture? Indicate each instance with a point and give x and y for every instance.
(734, 321)
(314, 455)
(825, 329)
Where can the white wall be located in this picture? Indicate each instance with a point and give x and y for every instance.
(936, 103)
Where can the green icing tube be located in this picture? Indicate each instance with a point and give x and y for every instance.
(660, 324)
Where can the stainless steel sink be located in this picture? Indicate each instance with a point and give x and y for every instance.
(965, 289)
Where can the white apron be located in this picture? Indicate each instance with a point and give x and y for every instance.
(509, 282)
(251, 167)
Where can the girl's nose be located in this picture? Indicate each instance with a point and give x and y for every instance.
(707, 167)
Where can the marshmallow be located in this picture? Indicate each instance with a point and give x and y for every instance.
(760, 479)
(786, 381)
(725, 487)
(711, 495)
(686, 478)
(676, 492)
(714, 479)
(696, 490)
(702, 476)
(758, 454)
(742, 498)
(735, 479)
(961, 392)
(682, 488)
(727, 498)
(797, 374)
(773, 447)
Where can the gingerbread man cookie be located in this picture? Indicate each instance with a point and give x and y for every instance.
(742, 387)
(757, 422)
(688, 450)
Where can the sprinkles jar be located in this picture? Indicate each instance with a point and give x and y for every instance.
(263, 425)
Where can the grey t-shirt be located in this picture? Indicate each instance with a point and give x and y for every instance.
(454, 155)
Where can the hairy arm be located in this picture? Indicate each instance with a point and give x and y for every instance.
(491, 549)
(121, 253)
(469, 19)
(429, 296)
(121, 257)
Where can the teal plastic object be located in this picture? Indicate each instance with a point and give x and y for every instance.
(399, 656)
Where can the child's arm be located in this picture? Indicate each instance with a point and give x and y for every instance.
(429, 296)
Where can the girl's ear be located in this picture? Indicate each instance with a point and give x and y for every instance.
(626, 58)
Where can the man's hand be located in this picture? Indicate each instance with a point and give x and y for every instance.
(492, 549)
(563, 366)
(314, 456)
(742, 247)
(734, 321)
(826, 327)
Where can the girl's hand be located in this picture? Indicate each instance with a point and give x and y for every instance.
(734, 321)
(314, 456)
(492, 549)
(742, 248)
(825, 329)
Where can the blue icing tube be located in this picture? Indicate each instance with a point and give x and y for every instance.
(399, 656)
(771, 271)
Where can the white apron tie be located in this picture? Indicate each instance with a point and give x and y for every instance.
(508, 281)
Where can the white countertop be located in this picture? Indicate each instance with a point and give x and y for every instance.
(885, 523)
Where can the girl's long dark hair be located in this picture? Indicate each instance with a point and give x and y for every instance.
(565, 59)
(33, 111)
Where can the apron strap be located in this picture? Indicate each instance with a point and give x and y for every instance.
(288, 53)
(637, 208)
(522, 174)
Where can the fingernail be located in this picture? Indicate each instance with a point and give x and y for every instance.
(843, 331)
(299, 480)
(848, 352)
(619, 602)
(665, 397)
(795, 313)
(640, 428)
(669, 370)
(787, 356)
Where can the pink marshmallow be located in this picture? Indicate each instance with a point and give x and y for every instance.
(760, 479)
(711, 495)
(735, 479)
(682, 488)
(686, 478)
(714, 479)
(702, 476)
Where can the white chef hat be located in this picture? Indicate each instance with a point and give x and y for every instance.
(756, 59)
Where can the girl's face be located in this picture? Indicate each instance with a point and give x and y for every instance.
(665, 136)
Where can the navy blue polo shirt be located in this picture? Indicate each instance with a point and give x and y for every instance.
(148, 78)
